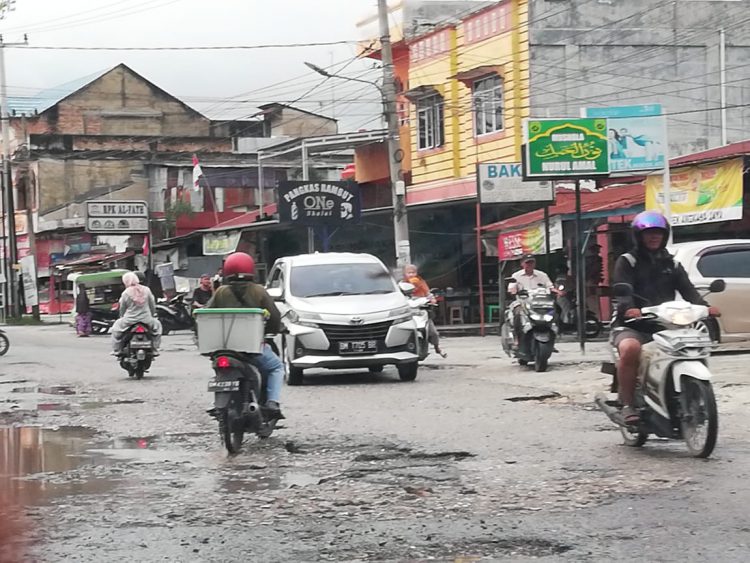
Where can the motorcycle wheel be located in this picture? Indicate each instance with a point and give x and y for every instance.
(593, 326)
(139, 371)
(4, 344)
(506, 339)
(99, 329)
(541, 358)
(229, 419)
(633, 439)
(700, 421)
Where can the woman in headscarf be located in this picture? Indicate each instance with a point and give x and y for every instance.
(137, 305)
(83, 312)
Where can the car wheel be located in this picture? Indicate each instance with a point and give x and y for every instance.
(408, 372)
(292, 375)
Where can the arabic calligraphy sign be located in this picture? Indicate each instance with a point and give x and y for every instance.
(566, 147)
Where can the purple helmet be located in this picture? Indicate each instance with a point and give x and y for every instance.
(650, 220)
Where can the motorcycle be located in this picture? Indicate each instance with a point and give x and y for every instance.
(174, 314)
(4, 343)
(568, 323)
(239, 388)
(539, 330)
(103, 319)
(674, 396)
(421, 307)
(137, 350)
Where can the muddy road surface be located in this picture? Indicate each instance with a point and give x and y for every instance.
(479, 458)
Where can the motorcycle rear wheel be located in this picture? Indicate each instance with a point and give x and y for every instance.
(633, 439)
(541, 358)
(231, 437)
(4, 344)
(700, 424)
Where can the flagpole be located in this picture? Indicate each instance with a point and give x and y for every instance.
(197, 175)
(213, 200)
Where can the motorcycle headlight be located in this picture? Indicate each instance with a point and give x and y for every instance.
(683, 317)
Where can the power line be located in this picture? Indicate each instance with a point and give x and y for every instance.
(189, 47)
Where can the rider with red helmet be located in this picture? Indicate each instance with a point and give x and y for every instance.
(240, 291)
(655, 277)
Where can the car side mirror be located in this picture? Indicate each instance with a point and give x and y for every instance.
(717, 286)
(276, 293)
(406, 287)
(622, 290)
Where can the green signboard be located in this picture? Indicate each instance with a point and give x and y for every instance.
(566, 147)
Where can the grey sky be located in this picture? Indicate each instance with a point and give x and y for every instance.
(206, 80)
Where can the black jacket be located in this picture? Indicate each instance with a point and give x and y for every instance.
(655, 278)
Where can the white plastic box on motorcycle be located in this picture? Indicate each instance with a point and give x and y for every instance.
(674, 395)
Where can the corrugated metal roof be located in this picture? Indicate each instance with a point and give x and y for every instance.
(45, 99)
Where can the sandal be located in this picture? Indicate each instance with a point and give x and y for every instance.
(630, 416)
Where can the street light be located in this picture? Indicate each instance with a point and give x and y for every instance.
(398, 188)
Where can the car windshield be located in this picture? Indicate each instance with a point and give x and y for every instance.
(322, 280)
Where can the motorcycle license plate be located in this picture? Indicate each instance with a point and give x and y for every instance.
(358, 347)
(223, 386)
(136, 345)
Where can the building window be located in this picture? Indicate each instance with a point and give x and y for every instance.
(430, 118)
(488, 105)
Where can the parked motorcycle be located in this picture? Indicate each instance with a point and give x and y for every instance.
(239, 388)
(674, 396)
(567, 315)
(103, 319)
(539, 331)
(174, 314)
(137, 350)
(4, 343)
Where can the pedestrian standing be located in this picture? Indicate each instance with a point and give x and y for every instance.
(83, 313)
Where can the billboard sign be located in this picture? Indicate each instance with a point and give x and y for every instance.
(503, 183)
(636, 136)
(511, 245)
(700, 194)
(318, 203)
(117, 217)
(558, 148)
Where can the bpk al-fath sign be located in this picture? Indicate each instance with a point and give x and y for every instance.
(566, 147)
(318, 203)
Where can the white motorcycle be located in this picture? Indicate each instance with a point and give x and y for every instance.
(420, 307)
(674, 397)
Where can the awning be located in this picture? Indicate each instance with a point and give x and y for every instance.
(415, 94)
(476, 72)
(95, 259)
(614, 200)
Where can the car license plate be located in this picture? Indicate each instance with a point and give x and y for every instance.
(223, 386)
(358, 347)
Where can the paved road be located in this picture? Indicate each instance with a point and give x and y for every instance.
(477, 458)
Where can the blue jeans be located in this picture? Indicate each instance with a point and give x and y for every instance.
(271, 367)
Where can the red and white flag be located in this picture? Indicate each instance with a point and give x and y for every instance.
(197, 173)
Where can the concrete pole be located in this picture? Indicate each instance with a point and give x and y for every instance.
(398, 188)
(723, 84)
(306, 177)
(8, 196)
(260, 187)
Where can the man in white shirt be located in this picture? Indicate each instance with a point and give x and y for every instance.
(526, 279)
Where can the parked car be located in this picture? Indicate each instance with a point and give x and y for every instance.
(729, 260)
(341, 311)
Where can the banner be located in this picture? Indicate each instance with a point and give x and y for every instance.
(28, 278)
(530, 240)
(700, 194)
(318, 203)
(503, 183)
(220, 244)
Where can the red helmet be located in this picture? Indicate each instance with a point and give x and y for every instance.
(239, 266)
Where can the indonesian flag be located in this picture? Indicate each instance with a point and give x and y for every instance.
(146, 249)
(197, 173)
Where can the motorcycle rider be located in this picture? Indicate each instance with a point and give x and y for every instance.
(655, 277)
(203, 293)
(528, 278)
(137, 305)
(239, 291)
(421, 289)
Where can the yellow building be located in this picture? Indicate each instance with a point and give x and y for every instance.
(468, 84)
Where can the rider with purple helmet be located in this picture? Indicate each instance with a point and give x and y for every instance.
(655, 277)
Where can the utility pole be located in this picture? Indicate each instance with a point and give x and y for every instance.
(11, 257)
(398, 188)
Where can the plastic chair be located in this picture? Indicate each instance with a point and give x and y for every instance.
(456, 315)
(491, 310)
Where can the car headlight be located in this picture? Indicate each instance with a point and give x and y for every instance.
(303, 318)
(400, 312)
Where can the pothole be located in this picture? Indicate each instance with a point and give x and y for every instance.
(542, 397)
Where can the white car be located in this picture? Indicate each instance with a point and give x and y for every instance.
(729, 259)
(341, 311)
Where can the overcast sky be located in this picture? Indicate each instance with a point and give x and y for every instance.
(222, 84)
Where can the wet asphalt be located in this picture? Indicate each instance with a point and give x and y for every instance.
(478, 459)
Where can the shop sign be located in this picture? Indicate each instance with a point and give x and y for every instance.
(636, 136)
(115, 217)
(700, 194)
(557, 148)
(503, 183)
(318, 203)
(220, 244)
(512, 245)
